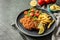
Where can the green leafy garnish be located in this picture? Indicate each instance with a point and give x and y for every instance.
(28, 14)
(35, 18)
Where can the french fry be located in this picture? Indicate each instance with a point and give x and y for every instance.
(50, 24)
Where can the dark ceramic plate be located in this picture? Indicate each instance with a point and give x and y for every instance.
(34, 33)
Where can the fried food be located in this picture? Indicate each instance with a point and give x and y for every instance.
(50, 23)
(28, 23)
(44, 18)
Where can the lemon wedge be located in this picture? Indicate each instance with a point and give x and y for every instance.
(33, 3)
(54, 7)
(41, 28)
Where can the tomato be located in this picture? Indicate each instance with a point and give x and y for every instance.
(53, 1)
(32, 10)
(47, 1)
(37, 11)
(41, 2)
(36, 14)
(25, 12)
(31, 14)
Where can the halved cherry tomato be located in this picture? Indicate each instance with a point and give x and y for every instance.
(25, 12)
(36, 14)
(37, 11)
(32, 10)
(47, 1)
(31, 14)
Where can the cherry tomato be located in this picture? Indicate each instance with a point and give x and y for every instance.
(36, 14)
(31, 14)
(41, 2)
(37, 11)
(25, 12)
(32, 10)
(53, 1)
(47, 1)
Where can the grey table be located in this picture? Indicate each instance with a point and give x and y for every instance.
(9, 10)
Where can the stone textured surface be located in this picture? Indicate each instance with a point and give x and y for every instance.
(9, 10)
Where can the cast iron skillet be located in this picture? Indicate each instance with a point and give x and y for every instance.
(34, 33)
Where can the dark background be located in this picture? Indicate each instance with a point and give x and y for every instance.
(9, 10)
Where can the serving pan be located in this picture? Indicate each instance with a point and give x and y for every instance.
(34, 33)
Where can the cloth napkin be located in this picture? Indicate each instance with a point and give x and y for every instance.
(56, 34)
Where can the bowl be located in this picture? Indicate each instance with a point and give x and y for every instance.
(49, 10)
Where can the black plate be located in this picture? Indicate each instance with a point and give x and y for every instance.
(34, 33)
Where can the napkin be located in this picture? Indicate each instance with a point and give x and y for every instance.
(56, 34)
